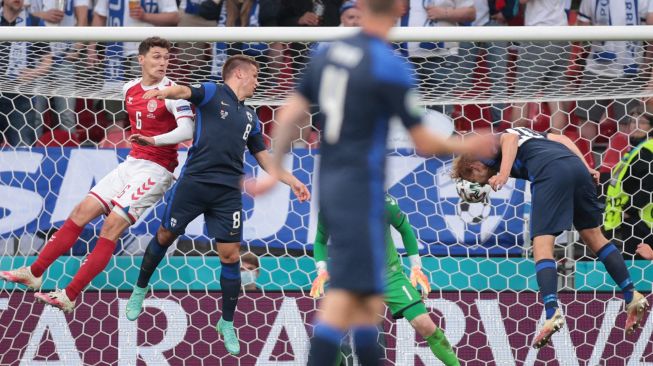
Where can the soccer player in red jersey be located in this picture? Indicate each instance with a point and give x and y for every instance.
(130, 189)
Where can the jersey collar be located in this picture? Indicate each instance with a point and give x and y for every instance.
(232, 94)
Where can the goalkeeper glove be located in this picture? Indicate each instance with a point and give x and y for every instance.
(417, 276)
(317, 289)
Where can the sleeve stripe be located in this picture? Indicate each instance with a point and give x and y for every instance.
(209, 92)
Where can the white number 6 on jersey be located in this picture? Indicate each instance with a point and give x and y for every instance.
(139, 123)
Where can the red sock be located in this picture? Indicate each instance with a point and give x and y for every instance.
(91, 267)
(58, 244)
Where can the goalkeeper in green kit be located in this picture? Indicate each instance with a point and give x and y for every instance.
(401, 296)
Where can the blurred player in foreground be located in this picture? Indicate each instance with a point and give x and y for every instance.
(127, 191)
(563, 192)
(358, 83)
(210, 182)
(400, 293)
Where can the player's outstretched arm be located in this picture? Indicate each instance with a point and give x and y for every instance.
(183, 132)
(509, 146)
(428, 143)
(399, 221)
(290, 123)
(268, 164)
(171, 92)
(320, 255)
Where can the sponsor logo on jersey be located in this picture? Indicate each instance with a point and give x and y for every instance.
(183, 108)
(130, 100)
(249, 116)
(151, 105)
(223, 114)
(173, 222)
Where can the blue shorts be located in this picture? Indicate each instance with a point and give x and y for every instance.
(221, 205)
(356, 224)
(561, 194)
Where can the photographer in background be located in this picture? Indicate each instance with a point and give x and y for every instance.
(629, 203)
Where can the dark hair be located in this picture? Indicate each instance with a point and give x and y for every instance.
(151, 42)
(250, 258)
(639, 110)
(381, 6)
(235, 62)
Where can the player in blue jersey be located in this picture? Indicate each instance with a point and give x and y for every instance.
(210, 181)
(563, 193)
(358, 83)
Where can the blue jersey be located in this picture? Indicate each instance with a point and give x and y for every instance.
(224, 126)
(358, 83)
(534, 152)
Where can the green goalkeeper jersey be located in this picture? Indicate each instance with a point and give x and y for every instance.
(396, 218)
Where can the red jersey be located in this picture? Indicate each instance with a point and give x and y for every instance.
(152, 117)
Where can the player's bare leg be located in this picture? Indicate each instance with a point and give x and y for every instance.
(330, 327)
(361, 313)
(154, 253)
(230, 284)
(59, 243)
(547, 280)
(636, 303)
(114, 225)
(436, 339)
(365, 330)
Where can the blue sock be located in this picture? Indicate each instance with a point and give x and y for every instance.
(325, 345)
(230, 284)
(366, 345)
(547, 280)
(153, 256)
(616, 267)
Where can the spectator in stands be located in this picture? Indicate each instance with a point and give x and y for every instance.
(489, 13)
(614, 66)
(74, 13)
(269, 13)
(436, 62)
(629, 205)
(542, 66)
(350, 15)
(307, 13)
(121, 58)
(310, 13)
(193, 56)
(23, 62)
(249, 271)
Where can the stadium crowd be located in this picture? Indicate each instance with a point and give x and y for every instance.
(604, 130)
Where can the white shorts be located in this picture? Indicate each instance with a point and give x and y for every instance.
(133, 187)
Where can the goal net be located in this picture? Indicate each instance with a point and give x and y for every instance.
(64, 128)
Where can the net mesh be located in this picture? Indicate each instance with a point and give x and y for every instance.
(480, 72)
(66, 129)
